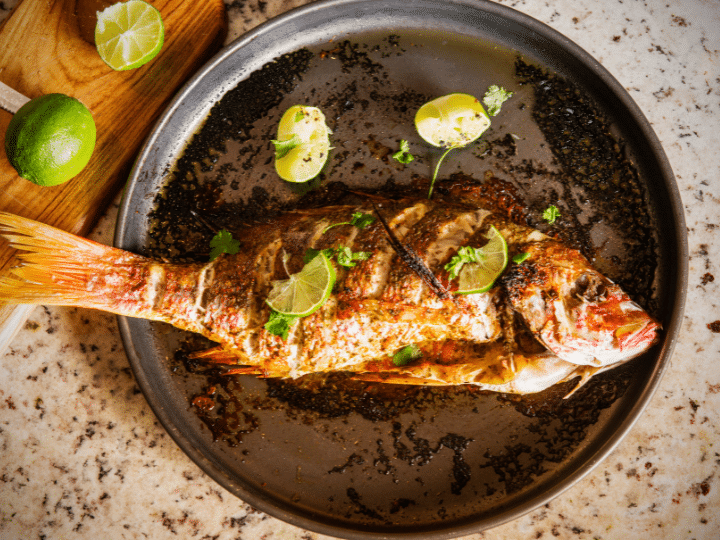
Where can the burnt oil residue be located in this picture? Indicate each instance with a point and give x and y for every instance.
(387, 453)
(175, 232)
(593, 159)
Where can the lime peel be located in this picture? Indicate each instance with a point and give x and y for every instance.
(50, 139)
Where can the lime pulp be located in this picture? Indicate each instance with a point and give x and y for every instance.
(302, 145)
(129, 34)
(451, 121)
(478, 277)
(306, 291)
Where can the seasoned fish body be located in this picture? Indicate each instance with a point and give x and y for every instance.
(377, 307)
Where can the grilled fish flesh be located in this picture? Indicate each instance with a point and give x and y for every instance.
(548, 319)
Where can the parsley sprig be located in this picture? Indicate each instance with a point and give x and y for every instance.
(282, 148)
(403, 155)
(223, 242)
(466, 254)
(279, 323)
(343, 255)
(358, 219)
(551, 214)
(406, 355)
(494, 98)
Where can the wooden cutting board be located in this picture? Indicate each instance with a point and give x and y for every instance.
(45, 47)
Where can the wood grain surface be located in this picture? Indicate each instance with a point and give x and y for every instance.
(46, 47)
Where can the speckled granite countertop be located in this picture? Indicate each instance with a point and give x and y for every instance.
(82, 455)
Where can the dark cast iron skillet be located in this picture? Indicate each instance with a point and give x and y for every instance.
(375, 462)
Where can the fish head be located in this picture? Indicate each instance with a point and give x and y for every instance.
(576, 312)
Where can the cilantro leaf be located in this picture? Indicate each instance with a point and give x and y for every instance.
(279, 324)
(520, 257)
(406, 355)
(551, 213)
(346, 257)
(465, 254)
(343, 254)
(361, 220)
(494, 98)
(283, 147)
(403, 155)
(358, 220)
(223, 242)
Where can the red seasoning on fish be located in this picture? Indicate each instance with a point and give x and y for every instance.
(548, 319)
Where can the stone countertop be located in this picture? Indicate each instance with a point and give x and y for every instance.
(82, 455)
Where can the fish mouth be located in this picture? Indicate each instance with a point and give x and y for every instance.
(637, 337)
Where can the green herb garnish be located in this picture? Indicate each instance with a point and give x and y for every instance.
(348, 258)
(361, 220)
(551, 213)
(223, 242)
(358, 220)
(403, 155)
(465, 254)
(406, 355)
(282, 148)
(520, 257)
(279, 323)
(344, 255)
(494, 98)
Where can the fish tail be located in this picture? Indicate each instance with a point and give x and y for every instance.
(59, 268)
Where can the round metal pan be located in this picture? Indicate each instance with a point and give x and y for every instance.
(409, 463)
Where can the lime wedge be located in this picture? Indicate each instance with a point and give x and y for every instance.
(477, 277)
(451, 121)
(302, 144)
(129, 34)
(304, 292)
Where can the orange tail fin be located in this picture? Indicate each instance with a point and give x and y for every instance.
(59, 268)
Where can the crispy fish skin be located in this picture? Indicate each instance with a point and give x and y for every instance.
(376, 308)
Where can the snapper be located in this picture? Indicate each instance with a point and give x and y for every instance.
(548, 319)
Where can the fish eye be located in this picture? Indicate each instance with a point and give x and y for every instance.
(590, 287)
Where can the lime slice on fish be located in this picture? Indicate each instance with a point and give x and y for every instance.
(129, 34)
(302, 145)
(303, 293)
(477, 277)
(452, 120)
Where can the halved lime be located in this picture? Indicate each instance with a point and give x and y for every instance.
(451, 121)
(50, 139)
(480, 276)
(129, 34)
(302, 144)
(303, 293)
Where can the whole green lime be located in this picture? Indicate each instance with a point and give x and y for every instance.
(50, 139)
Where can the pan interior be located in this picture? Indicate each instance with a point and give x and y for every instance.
(356, 460)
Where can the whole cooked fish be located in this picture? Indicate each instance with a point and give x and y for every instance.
(548, 319)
